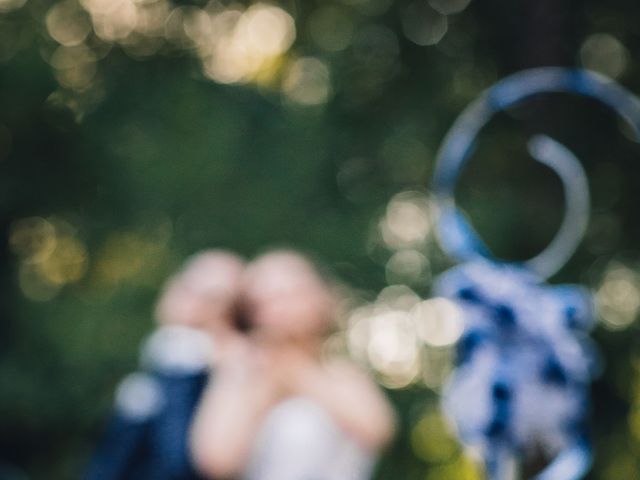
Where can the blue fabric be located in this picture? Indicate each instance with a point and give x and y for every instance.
(524, 361)
(458, 238)
(124, 451)
(171, 427)
(156, 447)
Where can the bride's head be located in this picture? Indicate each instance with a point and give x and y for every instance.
(285, 297)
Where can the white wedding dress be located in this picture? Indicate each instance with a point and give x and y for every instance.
(300, 441)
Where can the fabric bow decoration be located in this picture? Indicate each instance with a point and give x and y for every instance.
(524, 362)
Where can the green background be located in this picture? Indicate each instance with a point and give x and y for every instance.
(150, 160)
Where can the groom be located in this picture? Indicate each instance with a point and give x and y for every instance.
(147, 435)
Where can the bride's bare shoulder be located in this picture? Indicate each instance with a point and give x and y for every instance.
(345, 368)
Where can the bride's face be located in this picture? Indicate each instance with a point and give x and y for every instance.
(287, 299)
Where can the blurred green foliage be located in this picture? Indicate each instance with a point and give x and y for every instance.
(134, 155)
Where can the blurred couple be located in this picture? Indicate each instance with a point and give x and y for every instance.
(233, 384)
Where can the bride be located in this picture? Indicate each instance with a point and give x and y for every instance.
(277, 410)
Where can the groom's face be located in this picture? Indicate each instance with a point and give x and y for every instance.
(202, 297)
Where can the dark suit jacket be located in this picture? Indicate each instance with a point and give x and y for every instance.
(155, 446)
